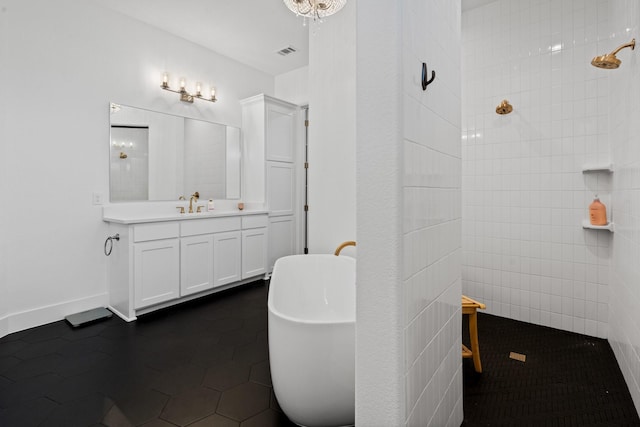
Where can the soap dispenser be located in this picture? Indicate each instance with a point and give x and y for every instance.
(597, 212)
(210, 205)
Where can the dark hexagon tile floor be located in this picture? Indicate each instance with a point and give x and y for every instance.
(202, 363)
(244, 401)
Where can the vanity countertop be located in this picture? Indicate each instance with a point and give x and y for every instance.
(136, 216)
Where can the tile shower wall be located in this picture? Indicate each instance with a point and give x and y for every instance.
(129, 164)
(432, 215)
(624, 318)
(525, 253)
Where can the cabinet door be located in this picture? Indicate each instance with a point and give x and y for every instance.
(281, 238)
(254, 252)
(196, 264)
(226, 258)
(280, 188)
(280, 133)
(156, 272)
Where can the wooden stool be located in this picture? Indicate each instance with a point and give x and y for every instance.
(470, 307)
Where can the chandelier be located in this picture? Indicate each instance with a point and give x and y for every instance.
(315, 9)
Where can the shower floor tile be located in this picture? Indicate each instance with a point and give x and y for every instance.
(567, 379)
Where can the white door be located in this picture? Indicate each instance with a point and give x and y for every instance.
(196, 264)
(280, 133)
(281, 238)
(226, 257)
(156, 272)
(254, 252)
(280, 188)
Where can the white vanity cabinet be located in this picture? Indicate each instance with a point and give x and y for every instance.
(156, 272)
(224, 250)
(226, 258)
(156, 256)
(196, 264)
(255, 246)
(159, 263)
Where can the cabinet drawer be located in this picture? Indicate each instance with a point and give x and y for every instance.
(254, 221)
(163, 230)
(208, 226)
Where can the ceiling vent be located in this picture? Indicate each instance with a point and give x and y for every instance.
(286, 51)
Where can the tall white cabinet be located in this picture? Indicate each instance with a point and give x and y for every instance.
(270, 136)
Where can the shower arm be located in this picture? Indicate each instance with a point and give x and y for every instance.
(631, 44)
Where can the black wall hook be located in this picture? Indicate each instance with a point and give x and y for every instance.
(426, 82)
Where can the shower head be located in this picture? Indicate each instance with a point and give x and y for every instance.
(609, 61)
(504, 107)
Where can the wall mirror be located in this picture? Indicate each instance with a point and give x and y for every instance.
(157, 156)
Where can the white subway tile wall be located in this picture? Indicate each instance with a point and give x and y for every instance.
(525, 253)
(432, 214)
(129, 164)
(624, 298)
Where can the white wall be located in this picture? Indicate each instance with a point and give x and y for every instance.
(293, 86)
(4, 174)
(380, 385)
(624, 318)
(332, 138)
(432, 214)
(65, 61)
(408, 215)
(525, 253)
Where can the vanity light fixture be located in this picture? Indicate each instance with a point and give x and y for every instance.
(184, 95)
(314, 9)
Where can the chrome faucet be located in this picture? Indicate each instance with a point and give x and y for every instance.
(195, 196)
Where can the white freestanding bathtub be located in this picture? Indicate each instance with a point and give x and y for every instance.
(312, 314)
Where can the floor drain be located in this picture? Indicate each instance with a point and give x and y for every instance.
(517, 356)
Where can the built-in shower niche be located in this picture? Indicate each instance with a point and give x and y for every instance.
(599, 168)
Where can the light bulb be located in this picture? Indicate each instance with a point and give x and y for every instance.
(183, 84)
(213, 93)
(165, 80)
(198, 89)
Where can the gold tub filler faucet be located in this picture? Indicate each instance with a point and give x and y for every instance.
(344, 245)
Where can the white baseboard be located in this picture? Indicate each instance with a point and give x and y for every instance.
(4, 326)
(14, 322)
(121, 315)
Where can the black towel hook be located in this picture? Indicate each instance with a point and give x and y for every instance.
(426, 82)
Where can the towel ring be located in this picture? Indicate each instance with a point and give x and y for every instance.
(109, 243)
